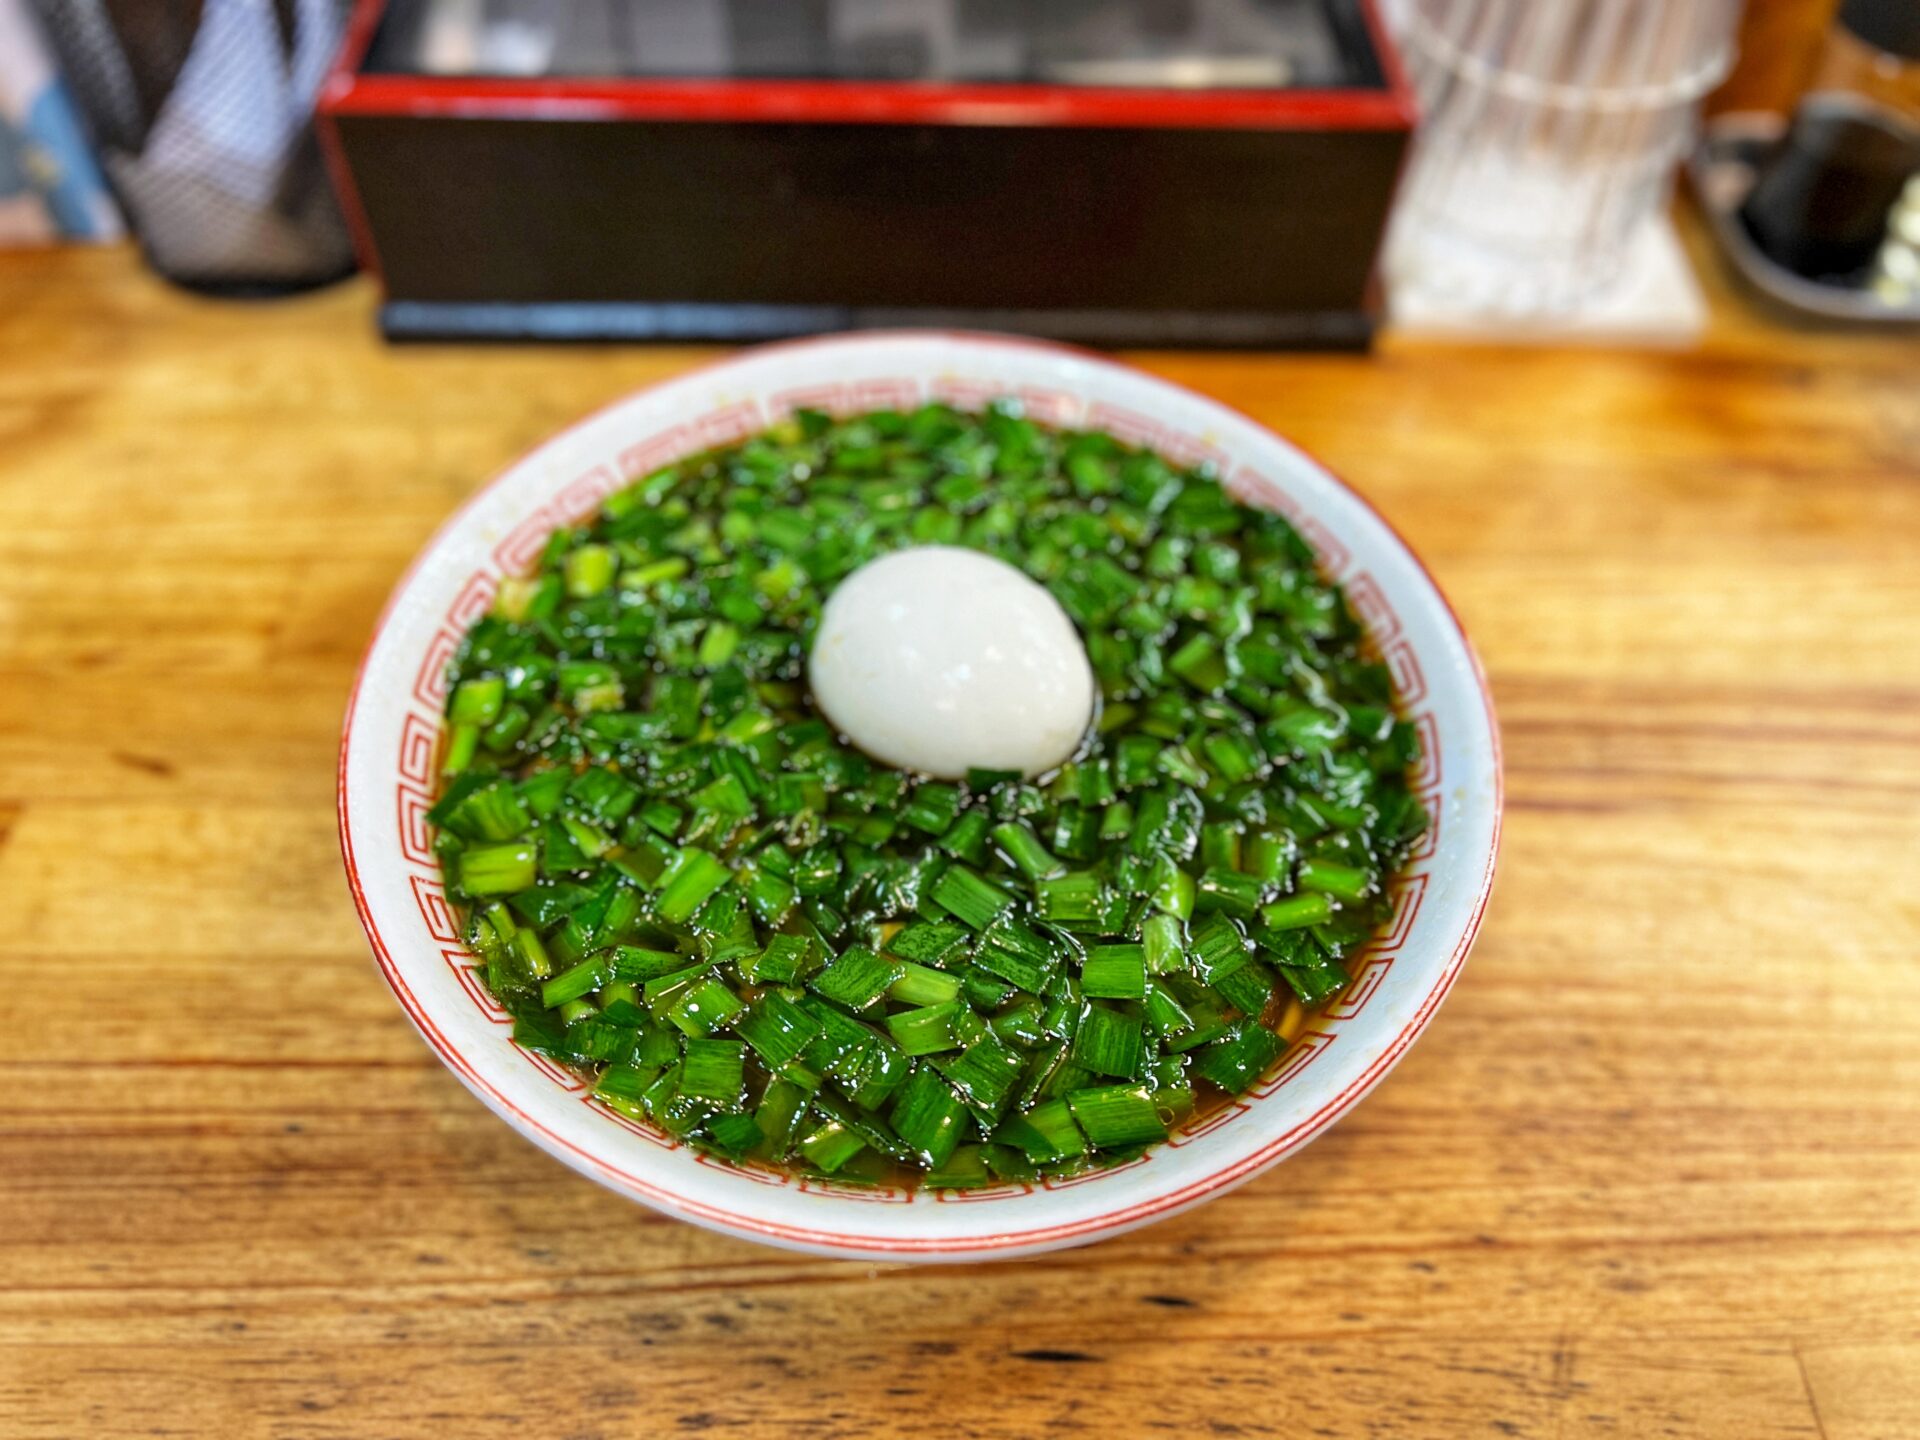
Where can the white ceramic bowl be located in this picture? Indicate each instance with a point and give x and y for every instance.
(393, 731)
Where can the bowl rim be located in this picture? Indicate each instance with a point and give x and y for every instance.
(841, 1241)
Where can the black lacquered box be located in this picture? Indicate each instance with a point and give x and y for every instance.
(1179, 172)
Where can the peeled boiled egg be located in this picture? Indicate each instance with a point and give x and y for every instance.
(938, 659)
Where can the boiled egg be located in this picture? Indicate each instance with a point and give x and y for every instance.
(938, 660)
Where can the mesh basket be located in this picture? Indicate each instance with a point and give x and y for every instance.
(202, 111)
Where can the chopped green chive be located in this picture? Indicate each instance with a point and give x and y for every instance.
(1020, 845)
(689, 882)
(1240, 1057)
(498, 869)
(1344, 882)
(928, 1117)
(713, 1070)
(1109, 1043)
(858, 978)
(969, 898)
(1115, 972)
(1296, 912)
(929, 1029)
(777, 1029)
(1115, 1116)
(703, 1007)
(922, 985)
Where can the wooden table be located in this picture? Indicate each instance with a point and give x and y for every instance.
(1655, 1171)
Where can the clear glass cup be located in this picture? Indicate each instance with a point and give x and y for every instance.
(1550, 133)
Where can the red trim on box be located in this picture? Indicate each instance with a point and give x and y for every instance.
(351, 91)
(1121, 1218)
(838, 102)
(353, 49)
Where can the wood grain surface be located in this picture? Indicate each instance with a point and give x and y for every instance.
(1654, 1171)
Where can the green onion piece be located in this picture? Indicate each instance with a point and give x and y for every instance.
(928, 942)
(1233, 755)
(632, 963)
(1076, 833)
(970, 899)
(777, 1029)
(781, 963)
(620, 1003)
(1346, 882)
(1047, 1132)
(1172, 890)
(713, 1070)
(625, 1082)
(1115, 972)
(778, 1112)
(703, 1007)
(1162, 943)
(1021, 846)
(927, 1030)
(983, 990)
(965, 1169)
(1200, 663)
(1314, 984)
(478, 701)
(717, 644)
(922, 985)
(1296, 912)
(842, 1047)
(1117, 1115)
(493, 812)
(1240, 1057)
(770, 897)
(1230, 891)
(513, 602)
(984, 1074)
(1220, 846)
(831, 1146)
(734, 1133)
(883, 1070)
(663, 988)
(505, 732)
(1266, 857)
(928, 1117)
(725, 795)
(1017, 955)
(541, 792)
(583, 979)
(590, 841)
(1164, 1013)
(498, 869)
(589, 570)
(816, 871)
(858, 978)
(932, 808)
(1245, 984)
(1215, 942)
(1071, 900)
(966, 838)
(689, 881)
(1109, 1043)
(1022, 1023)
(462, 742)
(532, 953)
